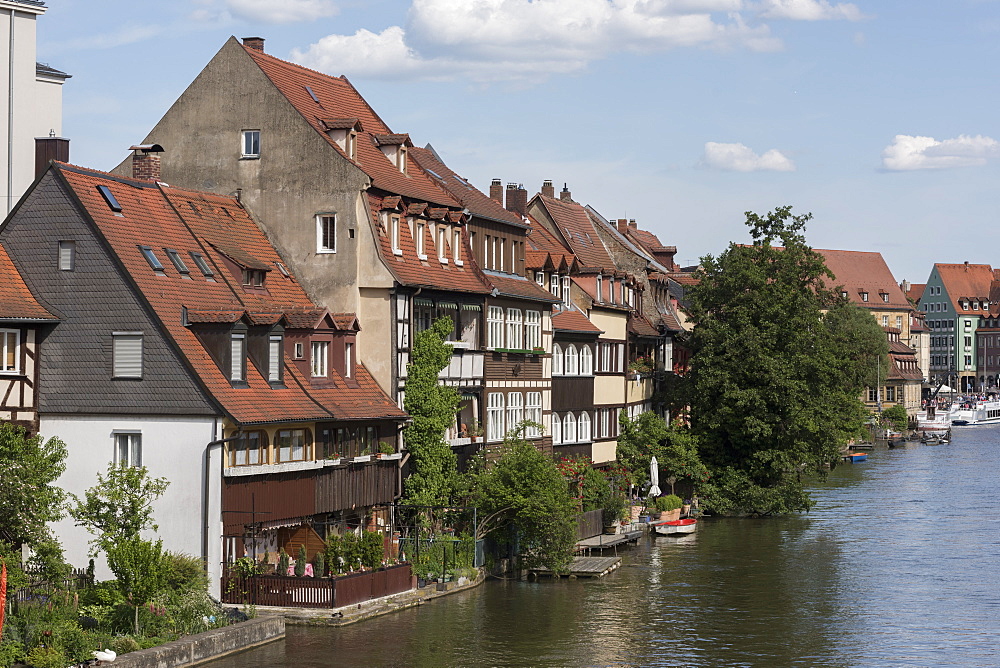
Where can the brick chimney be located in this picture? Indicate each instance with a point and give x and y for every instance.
(255, 43)
(566, 195)
(622, 225)
(146, 162)
(496, 191)
(517, 199)
(632, 225)
(547, 188)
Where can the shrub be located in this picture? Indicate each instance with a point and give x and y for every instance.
(47, 657)
(184, 573)
(372, 550)
(125, 644)
(300, 561)
(669, 502)
(319, 564)
(283, 560)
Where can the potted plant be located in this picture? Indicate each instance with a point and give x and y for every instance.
(613, 507)
(653, 507)
(671, 505)
(475, 431)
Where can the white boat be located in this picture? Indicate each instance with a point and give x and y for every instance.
(938, 423)
(676, 527)
(975, 412)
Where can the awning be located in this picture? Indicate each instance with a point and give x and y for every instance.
(451, 305)
(420, 301)
(471, 307)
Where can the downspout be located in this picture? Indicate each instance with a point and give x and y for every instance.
(206, 487)
(10, 113)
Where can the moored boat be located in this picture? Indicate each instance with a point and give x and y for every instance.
(976, 412)
(855, 457)
(676, 527)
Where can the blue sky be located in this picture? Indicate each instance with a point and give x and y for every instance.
(878, 117)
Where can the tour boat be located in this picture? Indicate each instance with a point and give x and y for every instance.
(855, 456)
(976, 412)
(936, 423)
(676, 527)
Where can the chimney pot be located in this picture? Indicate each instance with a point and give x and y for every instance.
(548, 189)
(566, 195)
(255, 43)
(496, 191)
(632, 224)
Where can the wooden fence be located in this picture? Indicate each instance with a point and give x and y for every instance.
(293, 592)
(589, 524)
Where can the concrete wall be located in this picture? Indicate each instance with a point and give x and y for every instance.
(614, 324)
(609, 390)
(172, 448)
(19, 100)
(202, 647)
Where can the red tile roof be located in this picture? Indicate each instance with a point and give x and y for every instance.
(189, 221)
(16, 301)
(865, 272)
(576, 228)
(965, 281)
(639, 325)
(339, 99)
(470, 197)
(431, 272)
(571, 320)
(915, 291)
(511, 285)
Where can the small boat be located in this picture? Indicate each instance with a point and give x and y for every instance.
(855, 457)
(676, 527)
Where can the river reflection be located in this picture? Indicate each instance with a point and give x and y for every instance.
(897, 566)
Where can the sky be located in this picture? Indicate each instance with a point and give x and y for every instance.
(878, 117)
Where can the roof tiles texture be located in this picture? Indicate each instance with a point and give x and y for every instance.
(16, 301)
(577, 229)
(189, 221)
(571, 320)
(865, 272)
(965, 281)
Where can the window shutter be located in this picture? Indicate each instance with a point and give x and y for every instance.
(236, 358)
(67, 254)
(274, 360)
(127, 355)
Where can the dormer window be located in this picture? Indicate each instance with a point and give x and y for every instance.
(237, 358)
(401, 159)
(540, 278)
(885, 297)
(565, 290)
(600, 288)
(320, 359)
(441, 244)
(965, 305)
(253, 278)
(611, 290)
(864, 296)
(420, 242)
(844, 294)
(349, 360)
(393, 147)
(554, 285)
(456, 248)
(274, 358)
(394, 232)
(352, 145)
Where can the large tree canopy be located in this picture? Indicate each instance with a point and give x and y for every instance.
(779, 361)
(29, 497)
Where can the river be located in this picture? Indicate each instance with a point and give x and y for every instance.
(898, 565)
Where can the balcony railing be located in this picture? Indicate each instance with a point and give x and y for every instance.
(294, 592)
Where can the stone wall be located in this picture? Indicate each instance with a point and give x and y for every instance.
(201, 647)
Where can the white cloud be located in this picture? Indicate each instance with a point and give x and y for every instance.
(739, 158)
(264, 11)
(810, 10)
(488, 40)
(908, 152)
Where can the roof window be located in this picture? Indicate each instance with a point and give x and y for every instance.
(312, 94)
(151, 258)
(178, 263)
(282, 268)
(109, 198)
(202, 265)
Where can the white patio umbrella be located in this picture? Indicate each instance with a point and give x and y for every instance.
(654, 478)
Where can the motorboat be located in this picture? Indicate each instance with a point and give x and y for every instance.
(676, 527)
(975, 412)
(855, 457)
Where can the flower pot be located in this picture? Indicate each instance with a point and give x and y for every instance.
(655, 514)
(672, 515)
(611, 529)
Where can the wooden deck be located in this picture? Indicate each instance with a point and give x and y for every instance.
(605, 541)
(588, 567)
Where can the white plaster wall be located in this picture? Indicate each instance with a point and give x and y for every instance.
(172, 448)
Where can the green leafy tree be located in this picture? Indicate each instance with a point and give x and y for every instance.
(29, 497)
(432, 408)
(140, 569)
(119, 506)
(675, 448)
(775, 387)
(520, 493)
(895, 417)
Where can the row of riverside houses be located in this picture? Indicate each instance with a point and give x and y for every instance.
(245, 331)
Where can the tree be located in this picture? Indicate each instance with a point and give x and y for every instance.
(675, 448)
(775, 385)
(522, 496)
(432, 409)
(140, 569)
(119, 506)
(29, 499)
(894, 417)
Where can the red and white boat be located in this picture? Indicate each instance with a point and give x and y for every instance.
(676, 527)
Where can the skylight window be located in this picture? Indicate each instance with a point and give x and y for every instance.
(178, 263)
(202, 265)
(109, 198)
(151, 258)
(312, 94)
(282, 268)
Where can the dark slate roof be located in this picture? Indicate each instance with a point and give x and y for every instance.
(159, 216)
(16, 301)
(45, 70)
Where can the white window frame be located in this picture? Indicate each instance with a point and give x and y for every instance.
(10, 348)
(586, 361)
(583, 434)
(326, 233)
(456, 247)
(600, 290)
(319, 359)
(250, 144)
(237, 357)
(565, 290)
(123, 346)
(557, 360)
(569, 428)
(420, 242)
(274, 358)
(533, 413)
(127, 447)
(540, 278)
(515, 409)
(299, 351)
(442, 243)
(349, 359)
(571, 365)
(605, 357)
(532, 330)
(67, 255)
(556, 429)
(495, 327)
(554, 285)
(514, 329)
(394, 232)
(494, 416)
(611, 289)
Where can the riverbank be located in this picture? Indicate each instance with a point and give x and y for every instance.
(376, 607)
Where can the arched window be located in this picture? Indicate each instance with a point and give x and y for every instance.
(570, 367)
(586, 361)
(557, 360)
(569, 428)
(583, 428)
(556, 429)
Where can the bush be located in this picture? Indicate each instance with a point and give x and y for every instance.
(319, 565)
(47, 657)
(669, 502)
(125, 644)
(184, 573)
(283, 560)
(372, 550)
(300, 561)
